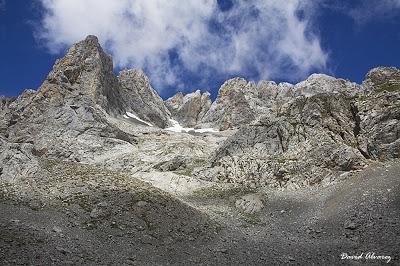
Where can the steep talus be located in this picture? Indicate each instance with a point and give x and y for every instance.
(91, 209)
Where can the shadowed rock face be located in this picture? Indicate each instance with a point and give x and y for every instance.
(379, 126)
(140, 98)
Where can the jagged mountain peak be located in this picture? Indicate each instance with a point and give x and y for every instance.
(85, 73)
(189, 109)
(86, 55)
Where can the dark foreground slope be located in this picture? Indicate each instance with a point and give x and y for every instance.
(106, 219)
(78, 214)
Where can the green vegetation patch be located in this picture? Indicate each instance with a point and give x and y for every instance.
(188, 170)
(394, 87)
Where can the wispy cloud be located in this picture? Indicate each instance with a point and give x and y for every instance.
(375, 9)
(264, 39)
(365, 11)
(2, 5)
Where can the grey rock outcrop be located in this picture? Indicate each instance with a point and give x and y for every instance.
(300, 147)
(378, 115)
(140, 98)
(321, 83)
(174, 104)
(309, 132)
(3, 102)
(205, 105)
(240, 102)
(176, 163)
(250, 204)
(188, 110)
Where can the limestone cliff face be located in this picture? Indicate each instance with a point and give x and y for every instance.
(67, 117)
(307, 140)
(240, 102)
(312, 130)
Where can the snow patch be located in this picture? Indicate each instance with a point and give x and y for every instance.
(205, 130)
(130, 115)
(176, 127)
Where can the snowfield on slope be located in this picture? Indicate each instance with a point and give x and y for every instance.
(176, 127)
(130, 115)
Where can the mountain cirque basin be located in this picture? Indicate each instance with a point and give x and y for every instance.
(96, 169)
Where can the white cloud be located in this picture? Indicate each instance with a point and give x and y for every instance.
(264, 39)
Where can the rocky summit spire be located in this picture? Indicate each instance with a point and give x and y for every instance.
(86, 70)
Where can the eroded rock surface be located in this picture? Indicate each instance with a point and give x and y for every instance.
(300, 147)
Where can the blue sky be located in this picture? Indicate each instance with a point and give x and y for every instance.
(200, 44)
